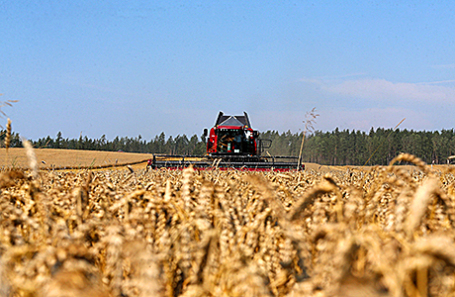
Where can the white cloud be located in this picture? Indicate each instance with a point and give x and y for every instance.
(330, 119)
(369, 118)
(381, 89)
(359, 103)
(444, 66)
(438, 82)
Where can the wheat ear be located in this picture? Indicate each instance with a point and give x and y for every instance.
(419, 205)
(33, 164)
(8, 134)
(412, 159)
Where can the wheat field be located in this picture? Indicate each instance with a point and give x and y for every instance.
(61, 158)
(380, 231)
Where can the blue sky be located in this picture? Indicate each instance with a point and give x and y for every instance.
(129, 68)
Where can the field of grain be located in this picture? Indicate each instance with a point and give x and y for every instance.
(60, 158)
(382, 231)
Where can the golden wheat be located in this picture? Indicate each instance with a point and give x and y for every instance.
(378, 232)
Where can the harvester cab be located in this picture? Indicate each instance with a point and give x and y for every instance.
(232, 136)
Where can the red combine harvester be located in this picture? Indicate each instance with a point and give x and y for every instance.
(231, 143)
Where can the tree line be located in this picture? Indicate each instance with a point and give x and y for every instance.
(346, 147)
(181, 145)
(376, 147)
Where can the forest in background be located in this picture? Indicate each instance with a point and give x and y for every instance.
(338, 147)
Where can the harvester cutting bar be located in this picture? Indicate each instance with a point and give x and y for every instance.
(223, 156)
(237, 162)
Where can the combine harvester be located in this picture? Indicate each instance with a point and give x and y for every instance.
(231, 144)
